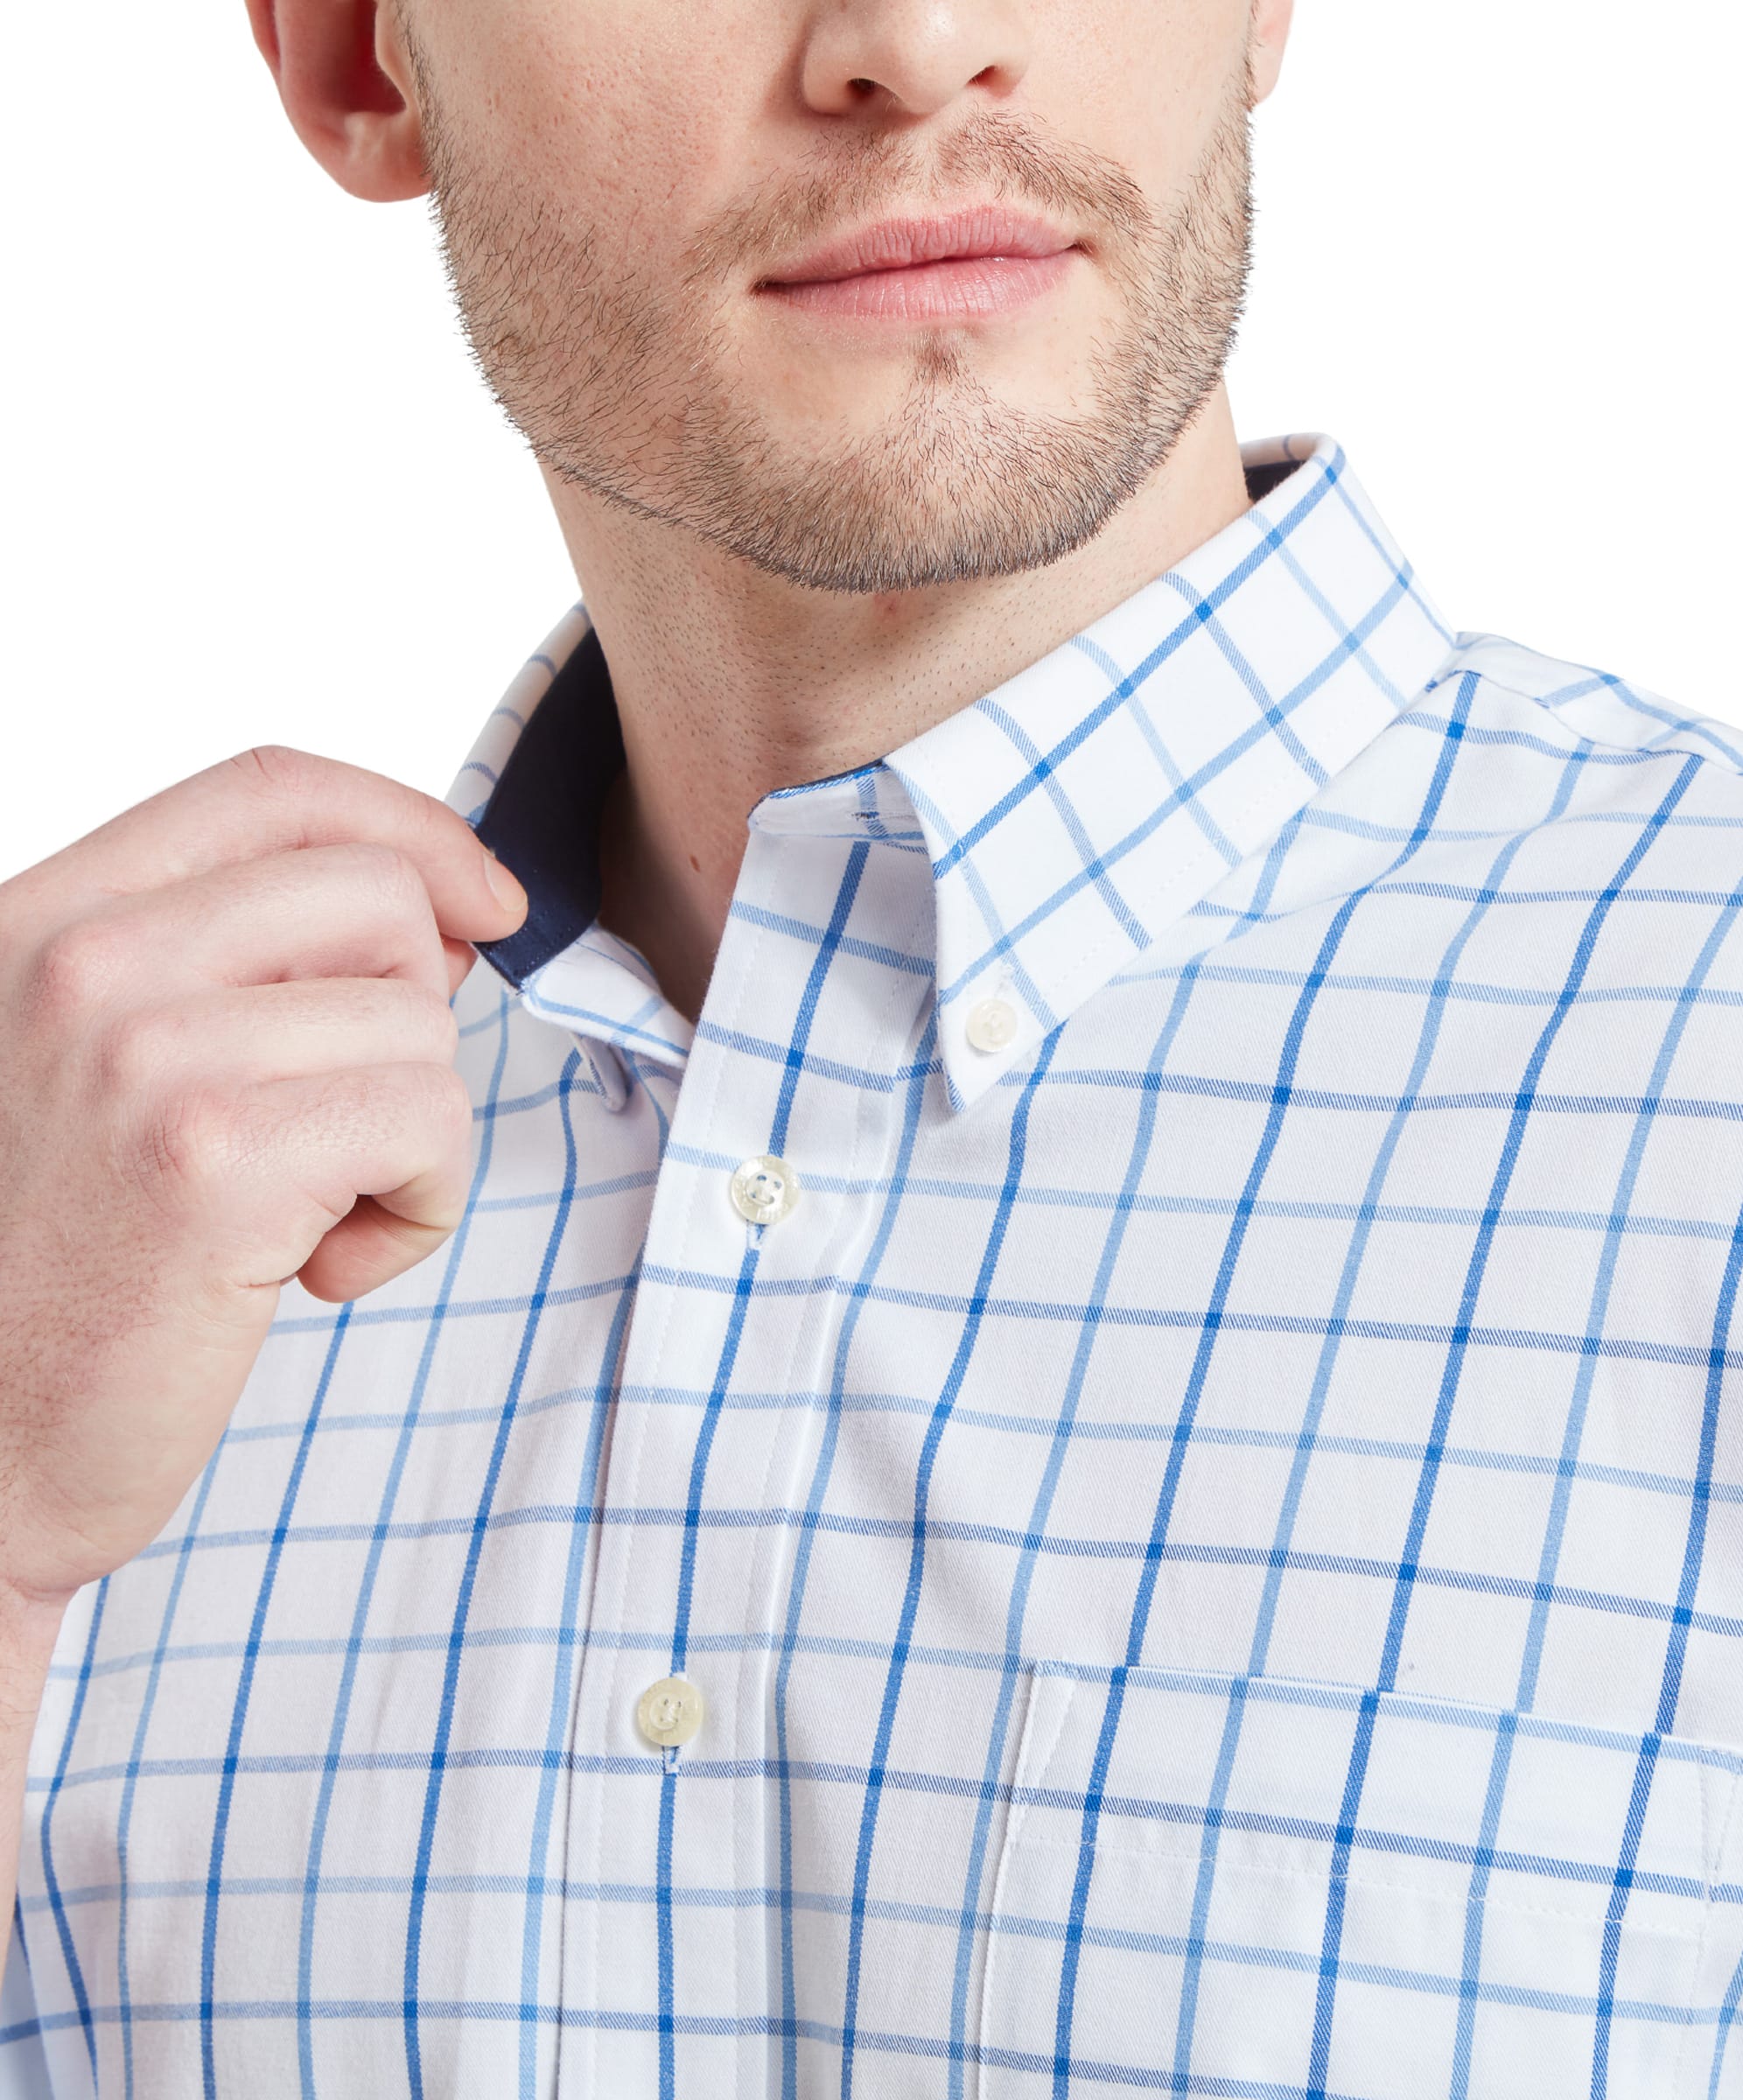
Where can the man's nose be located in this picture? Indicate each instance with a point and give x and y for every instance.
(912, 57)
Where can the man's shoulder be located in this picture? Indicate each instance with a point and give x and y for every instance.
(1570, 702)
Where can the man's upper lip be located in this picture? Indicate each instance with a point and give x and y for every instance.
(899, 243)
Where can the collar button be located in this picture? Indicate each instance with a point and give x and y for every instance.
(992, 1026)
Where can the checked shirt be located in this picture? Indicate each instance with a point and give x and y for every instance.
(1203, 1553)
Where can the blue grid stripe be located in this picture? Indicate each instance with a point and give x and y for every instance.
(220, 1821)
(314, 1862)
(456, 1648)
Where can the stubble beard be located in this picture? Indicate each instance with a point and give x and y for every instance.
(634, 390)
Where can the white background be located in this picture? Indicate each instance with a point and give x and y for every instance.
(256, 490)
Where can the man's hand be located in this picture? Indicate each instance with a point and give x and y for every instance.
(226, 1059)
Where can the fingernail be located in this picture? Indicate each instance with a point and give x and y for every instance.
(507, 892)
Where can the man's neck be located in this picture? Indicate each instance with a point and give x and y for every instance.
(730, 682)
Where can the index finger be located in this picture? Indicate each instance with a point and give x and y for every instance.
(274, 800)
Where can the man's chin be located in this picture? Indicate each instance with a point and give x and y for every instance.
(862, 550)
(931, 496)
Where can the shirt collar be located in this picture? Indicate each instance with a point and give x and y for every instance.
(1072, 817)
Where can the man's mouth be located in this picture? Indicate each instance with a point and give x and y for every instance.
(964, 265)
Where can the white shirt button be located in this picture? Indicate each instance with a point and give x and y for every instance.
(669, 1712)
(992, 1025)
(764, 1190)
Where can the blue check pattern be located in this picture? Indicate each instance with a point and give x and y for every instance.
(1211, 1539)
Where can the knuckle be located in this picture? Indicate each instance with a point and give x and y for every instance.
(389, 878)
(192, 1140)
(444, 1101)
(138, 1049)
(75, 969)
(431, 1026)
(422, 813)
(278, 769)
(405, 1022)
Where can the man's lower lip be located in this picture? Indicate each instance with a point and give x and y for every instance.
(963, 288)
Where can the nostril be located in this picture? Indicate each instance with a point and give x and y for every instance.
(863, 87)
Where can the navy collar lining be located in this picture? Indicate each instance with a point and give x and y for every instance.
(542, 818)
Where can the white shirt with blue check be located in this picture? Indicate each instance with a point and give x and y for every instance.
(1202, 1551)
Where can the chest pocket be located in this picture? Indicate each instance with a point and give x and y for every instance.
(1233, 1885)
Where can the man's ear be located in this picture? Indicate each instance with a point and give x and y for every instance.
(1269, 34)
(344, 78)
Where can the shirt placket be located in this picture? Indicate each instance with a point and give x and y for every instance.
(665, 1955)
